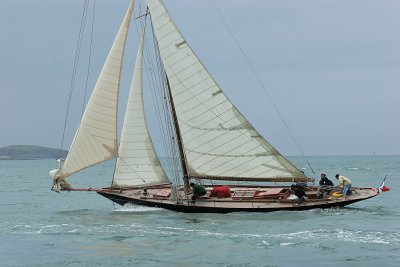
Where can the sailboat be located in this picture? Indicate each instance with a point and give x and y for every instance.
(216, 146)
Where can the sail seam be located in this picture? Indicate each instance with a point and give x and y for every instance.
(227, 134)
(98, 112)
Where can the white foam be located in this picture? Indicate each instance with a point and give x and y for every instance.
(265, 243)
(286, 244)
(135, 208)
(342, 235)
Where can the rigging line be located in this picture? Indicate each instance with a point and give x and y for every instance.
(173, 131)
(175, 156)
(384, 179)
(90, 57)
(167, 113)
(261, 84)
(127, 165)
(154, 84)
(74, 69)
(163, 125)
(151, 81)
(169, 120)
(132, 170)
(165, 93)
(157, 84)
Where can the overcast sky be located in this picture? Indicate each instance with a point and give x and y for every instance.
(331, 67)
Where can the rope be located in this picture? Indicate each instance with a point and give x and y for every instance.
(157, 82)
(168, 121)
(262, 85)
(90, 58)
(75, 67)
(156, 93)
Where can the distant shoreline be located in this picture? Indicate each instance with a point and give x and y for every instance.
(28, 152)
(3, 158)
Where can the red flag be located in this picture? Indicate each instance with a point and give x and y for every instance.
(384, 188)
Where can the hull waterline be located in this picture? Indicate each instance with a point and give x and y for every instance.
(227, 205)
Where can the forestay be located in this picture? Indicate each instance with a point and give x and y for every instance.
(218, 141)
(96, 138)
(137, 163)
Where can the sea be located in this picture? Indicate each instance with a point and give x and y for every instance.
(39, 227)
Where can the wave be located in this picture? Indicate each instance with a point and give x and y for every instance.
(135, 208)
(357, 236)
(372, 210)
(124, 230)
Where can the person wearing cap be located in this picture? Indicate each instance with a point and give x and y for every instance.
(326, 186)
(325, 181)
(344, 183)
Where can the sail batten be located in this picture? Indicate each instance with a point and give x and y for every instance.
(217, 139)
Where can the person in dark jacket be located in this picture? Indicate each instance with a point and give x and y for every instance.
(325, 181)
(326, 186)
(298, 190)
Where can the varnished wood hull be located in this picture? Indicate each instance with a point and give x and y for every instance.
(227, 205)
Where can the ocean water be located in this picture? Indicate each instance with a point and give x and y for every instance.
(41, 228)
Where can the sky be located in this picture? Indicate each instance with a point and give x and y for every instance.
(331, 67)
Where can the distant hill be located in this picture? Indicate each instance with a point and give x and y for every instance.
(30, 152)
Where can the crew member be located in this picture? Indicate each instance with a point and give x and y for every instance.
(326, 186)
(198, 191)
(344, 183)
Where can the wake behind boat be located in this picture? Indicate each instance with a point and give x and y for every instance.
(212, 142)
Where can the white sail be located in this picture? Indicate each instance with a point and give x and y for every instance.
(96, 138)
(137, 162)
(218, 141)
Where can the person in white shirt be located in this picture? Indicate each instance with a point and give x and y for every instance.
(344, 183)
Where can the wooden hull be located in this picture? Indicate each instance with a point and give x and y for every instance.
(160, 197)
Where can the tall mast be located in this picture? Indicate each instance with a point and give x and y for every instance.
(179, 141)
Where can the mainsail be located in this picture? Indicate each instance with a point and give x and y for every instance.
(218, 141)
(96, 138)
(137, 163)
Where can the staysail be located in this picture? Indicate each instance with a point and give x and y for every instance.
(96, 138)
(137, 162)
(218, 141)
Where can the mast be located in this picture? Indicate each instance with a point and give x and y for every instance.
(179, 141)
